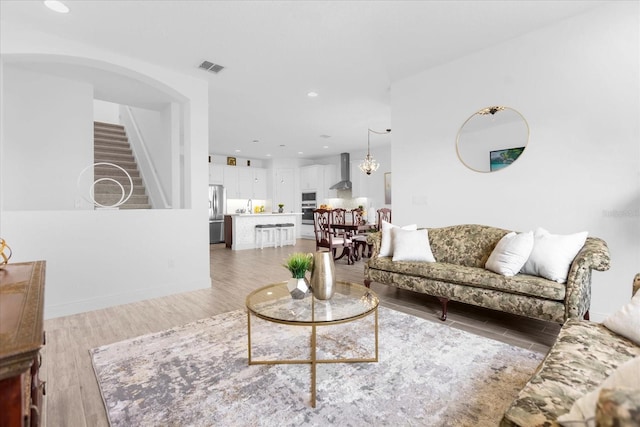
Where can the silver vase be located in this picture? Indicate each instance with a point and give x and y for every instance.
(298, 288)
(323, 275)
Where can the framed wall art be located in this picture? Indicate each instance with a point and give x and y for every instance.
(387, 188)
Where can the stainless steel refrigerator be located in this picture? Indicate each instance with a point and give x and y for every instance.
(217, 208)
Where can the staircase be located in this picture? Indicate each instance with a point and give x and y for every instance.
(110, 144)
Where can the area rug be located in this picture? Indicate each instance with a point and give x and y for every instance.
(428, 374)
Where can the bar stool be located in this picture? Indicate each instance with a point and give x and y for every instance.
(286, 234)
(266, 233)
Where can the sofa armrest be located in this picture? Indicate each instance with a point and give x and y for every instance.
(594, 255)
(374, 239)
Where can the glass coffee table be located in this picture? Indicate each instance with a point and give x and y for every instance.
(350, 302)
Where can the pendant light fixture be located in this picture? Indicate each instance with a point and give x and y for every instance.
(369, 164)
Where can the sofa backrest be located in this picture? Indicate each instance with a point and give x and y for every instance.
(469, 244)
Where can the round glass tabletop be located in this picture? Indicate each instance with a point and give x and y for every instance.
(350, 301)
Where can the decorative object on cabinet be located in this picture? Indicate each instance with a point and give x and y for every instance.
(3, 248)
(494, 132)
(21, 337)
(231, 161)
(369, 164)
(387, 188)
(280, 207)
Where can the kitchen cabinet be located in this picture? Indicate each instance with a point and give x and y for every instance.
(311, 177)
(231, 182)
(259, 184)
(245, 182)
(330, 178)
(216, 174)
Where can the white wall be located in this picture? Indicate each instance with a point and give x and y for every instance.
(155, 129)
(101, 258)
(106, 112)
(577, 84)
(48, 140)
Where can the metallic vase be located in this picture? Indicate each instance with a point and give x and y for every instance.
(323, 275)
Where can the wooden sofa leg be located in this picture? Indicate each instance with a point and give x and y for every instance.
(586, 315)
(443, 302)
(367, 283)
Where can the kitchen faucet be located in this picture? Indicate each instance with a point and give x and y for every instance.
(249, 206)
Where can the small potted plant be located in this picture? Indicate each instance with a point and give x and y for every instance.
(280, 207)
(298, 264)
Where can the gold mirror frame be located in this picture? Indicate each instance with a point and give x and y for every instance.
(492, 139)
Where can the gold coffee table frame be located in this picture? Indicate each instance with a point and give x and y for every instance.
(273, 303)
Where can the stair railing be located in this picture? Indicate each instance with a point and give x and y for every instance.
(157, 196)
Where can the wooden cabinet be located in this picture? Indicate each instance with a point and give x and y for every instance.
(228, 231)
(21, 337)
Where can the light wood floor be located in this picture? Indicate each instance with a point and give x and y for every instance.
(73, 398)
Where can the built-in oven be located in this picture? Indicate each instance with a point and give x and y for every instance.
(309, 204)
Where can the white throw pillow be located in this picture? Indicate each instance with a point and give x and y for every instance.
(510, 254)
(583, 411)
(386, 244)
(553, 254)
(626, 321)
(411, 245)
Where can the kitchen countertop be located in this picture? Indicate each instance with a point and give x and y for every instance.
(243, 228)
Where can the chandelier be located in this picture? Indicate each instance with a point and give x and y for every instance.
(369, 164)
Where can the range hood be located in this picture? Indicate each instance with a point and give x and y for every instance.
(345, 181)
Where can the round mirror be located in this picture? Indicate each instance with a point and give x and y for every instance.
(492, 139)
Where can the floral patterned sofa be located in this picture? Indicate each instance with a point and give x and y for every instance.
(583, 356)
(461, 252)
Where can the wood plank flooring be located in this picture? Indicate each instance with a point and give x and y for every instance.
(73, 398)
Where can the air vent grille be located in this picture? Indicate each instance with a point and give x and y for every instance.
(210, 66)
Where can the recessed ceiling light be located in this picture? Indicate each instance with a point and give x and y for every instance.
(300, 152)
(325, 136)
(268, 155)
(255, 141)
(325, 146)
(56, 6)
(237, 151)
(312, 94)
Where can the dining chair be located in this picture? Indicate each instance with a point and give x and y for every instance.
(338, 216)
(384, 214)
(359, 238)
(326, 238)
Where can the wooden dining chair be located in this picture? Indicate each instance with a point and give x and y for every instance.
(326, 238)
(384, 214)
(338, 216)
(359, 238)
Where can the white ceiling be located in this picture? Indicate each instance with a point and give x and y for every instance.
(274, 52)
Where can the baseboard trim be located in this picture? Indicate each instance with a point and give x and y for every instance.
(90, 304)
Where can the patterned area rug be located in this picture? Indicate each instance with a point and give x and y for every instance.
(428, 374)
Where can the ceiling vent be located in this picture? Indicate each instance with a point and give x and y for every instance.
(210, 66)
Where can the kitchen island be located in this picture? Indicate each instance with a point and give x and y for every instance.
(243, 227)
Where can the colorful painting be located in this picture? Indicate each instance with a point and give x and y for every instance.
(500, 159)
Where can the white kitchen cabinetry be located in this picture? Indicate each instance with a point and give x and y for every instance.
(245, 182)
(311, 177)
(259, 183)
(231, 182)
(330, 178)
(306, 231)
(216, 174)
